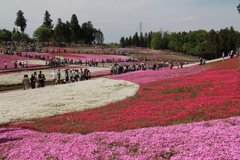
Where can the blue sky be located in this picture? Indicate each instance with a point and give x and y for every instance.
(117, 18)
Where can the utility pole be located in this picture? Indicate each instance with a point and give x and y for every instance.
(140, 28)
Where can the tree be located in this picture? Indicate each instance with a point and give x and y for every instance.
(88, 32)
(66, 27)
(98, 36)
(122, 42)
(212, 45)
(58, 31)
(5, 35)
(21, 21)
(16, 37)
(156, 40)
(75, 29)
(42, 34)
(135, 40)
(26, 38)
(47, 21)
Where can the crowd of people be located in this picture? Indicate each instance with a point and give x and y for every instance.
(37, 80)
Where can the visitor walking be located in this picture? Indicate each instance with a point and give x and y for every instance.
(59, 76)
(54, 77)
(41, 79)
(33, 81)
(26, 82)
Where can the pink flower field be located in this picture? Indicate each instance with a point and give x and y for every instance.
(215, 139)
(9, 59)
(151, 76)
(190, 113)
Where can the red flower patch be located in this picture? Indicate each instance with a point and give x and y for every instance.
(212, 94)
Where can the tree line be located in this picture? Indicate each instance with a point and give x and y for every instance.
(62, 32)
(201, 43)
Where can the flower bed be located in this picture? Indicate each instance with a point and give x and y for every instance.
(215, 139)
(207, 95)
(10, 59)
(51, 101)
(162, 74)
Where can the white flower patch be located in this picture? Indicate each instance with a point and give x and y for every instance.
(16, 78)
(40, 62)
(54, 100)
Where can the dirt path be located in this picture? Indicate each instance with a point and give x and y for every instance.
(10, 88)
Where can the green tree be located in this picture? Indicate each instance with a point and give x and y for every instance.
(5, 35)
(66, 27)
(75, 29)
(156, 40)
(88, 32)
(58, 31)
(135, 40)
(42, 34)
(122, 42)
(149, 40)
(26, 38)
(141, 40)
(16, 37)
(21, 21)
(47, 21)
(98, 36)
(212, 48)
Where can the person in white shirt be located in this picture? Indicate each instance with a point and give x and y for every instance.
(54, 77)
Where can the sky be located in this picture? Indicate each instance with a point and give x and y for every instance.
(123, 18)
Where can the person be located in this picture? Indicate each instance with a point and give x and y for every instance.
(111, 70)
(223, 55)
(33, 81)
(26, 64)
(201, 60)
(54, 77)
(171, 65)
(66, 76)
(41, 78)
(89, 74)
(5, 65)
(15, 64)
(70, 76)
(36, 80)
(59, 75)
(81, 74)
(25, 82)
(231, 54)
(86, 74)
(77, 76)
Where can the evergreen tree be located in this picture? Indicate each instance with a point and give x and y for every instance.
(141, 40)
(88, 32)
(58, 31)
(75, 29)
(149, 40)
(135, 40)
(47, 21)
(212, 45)
(98, 36)
(21, 21)
(122, 42)
(67, 32)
